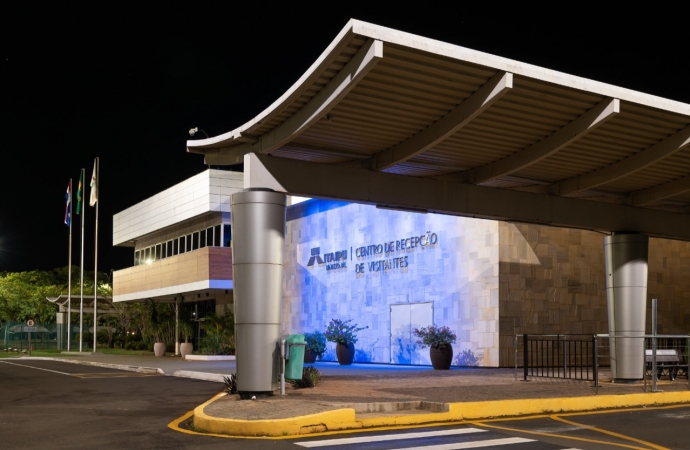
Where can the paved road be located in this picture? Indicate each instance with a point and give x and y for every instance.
(56, 405)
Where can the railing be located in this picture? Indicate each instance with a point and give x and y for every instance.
(570, 356)
(15, 338)
(582, 357)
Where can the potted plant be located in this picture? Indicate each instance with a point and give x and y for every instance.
(345, 337)
(186, 348)
(156, 328)
(439, 340)
(315, 346)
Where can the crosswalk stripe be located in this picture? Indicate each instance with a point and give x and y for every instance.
(472, 444)
(389, 437)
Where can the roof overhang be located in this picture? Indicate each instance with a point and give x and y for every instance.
(432, 118)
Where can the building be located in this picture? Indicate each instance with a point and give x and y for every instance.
(181, 240)
(391, 271)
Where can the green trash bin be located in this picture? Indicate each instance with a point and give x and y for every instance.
(294, 363)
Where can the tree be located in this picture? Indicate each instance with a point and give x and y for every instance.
(23, 295)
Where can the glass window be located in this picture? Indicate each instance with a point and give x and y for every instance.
(158, 252)
(227, 236)
(202, 239)
(195, 240)
(216, 236)
(189, 242)
(137, 255)
(174, 247)
(169, 252)
(147, 255)
(183, 246)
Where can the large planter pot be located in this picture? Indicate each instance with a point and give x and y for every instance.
(186, 348)
(345, 353)
(441, 358)
(309, 357)
(159, 349)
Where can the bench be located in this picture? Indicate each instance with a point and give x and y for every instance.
(668, 362)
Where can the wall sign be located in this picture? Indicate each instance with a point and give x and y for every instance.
(385, 254)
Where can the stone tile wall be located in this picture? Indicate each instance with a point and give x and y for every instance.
(552, 282)
(459, 274)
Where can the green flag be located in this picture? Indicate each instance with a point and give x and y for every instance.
(81, 179)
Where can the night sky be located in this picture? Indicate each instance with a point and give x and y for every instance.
(126, 83)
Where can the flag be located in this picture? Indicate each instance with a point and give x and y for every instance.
(94, 189)
(81, 177)
(68, 198)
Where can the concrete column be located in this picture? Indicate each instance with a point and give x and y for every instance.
(62, 330)
(258, 229)
(626, 257)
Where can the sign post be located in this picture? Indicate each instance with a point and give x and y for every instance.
(30, 328)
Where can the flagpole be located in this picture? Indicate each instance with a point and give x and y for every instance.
(81, 275)
(94, 188)
(69, 273)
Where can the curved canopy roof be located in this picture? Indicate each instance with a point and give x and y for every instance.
(384, 101)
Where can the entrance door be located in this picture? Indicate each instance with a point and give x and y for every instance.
(404, 319)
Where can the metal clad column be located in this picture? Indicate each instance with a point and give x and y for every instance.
(626, 258)
(60, 322)
(258, 228)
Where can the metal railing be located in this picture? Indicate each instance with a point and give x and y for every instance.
(582, 357)
(14, 337)
(569, 356)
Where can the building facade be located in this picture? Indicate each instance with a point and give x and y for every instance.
(391, 272)
(181, 241)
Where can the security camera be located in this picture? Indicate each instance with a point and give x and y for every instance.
(193, 131)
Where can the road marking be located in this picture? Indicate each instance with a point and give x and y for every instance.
(610, 433)
(37, 368)
(388, 437)
(560, 436)
(112, 375)
(473, 444)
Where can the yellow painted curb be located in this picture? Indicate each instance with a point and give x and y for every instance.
(339, 419)
(503, 408)
(344, 419)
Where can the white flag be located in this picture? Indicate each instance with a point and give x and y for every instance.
(94, 190)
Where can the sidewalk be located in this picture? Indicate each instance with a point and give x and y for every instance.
(371, 395)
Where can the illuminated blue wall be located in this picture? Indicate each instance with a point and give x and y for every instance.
(351, 261)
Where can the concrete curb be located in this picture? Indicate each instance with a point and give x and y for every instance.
(200, 375)
(210, 357)
(345, 418)
(339, 419)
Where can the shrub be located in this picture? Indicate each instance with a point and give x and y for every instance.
(435, 337)
(341, 332)
(316, 343)
(310, 376)
(141, 345)
(220, 334)
(230, 384)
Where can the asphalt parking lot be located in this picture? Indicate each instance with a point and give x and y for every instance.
(55, 405)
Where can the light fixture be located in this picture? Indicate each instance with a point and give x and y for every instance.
(195, 130)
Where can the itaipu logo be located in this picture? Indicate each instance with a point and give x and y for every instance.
(333, 260)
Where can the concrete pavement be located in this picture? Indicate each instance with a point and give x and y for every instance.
(370, 395)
